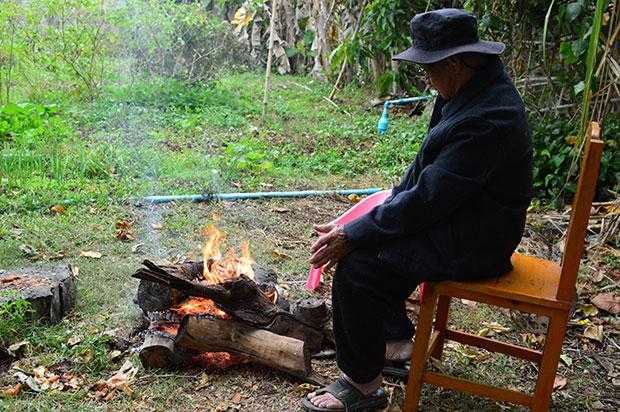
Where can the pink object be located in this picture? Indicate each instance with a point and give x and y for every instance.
(359, 209)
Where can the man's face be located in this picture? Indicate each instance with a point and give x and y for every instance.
(444, 76)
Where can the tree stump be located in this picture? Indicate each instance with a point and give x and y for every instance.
(50, 290)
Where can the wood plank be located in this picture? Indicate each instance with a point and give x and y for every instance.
(432, 346)
(477, 389)
(494, 346)
(460, 291)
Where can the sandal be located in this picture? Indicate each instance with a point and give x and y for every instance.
(397, 369)
(352, 399)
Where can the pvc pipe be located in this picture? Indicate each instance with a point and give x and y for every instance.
(257, 195)
(382, 126)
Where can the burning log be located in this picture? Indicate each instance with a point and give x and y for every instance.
(207, 334)
(240, 298)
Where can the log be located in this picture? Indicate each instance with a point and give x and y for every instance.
(157, 351)
(153, 296)
(208, 334)
(242, 299)
(50, 290)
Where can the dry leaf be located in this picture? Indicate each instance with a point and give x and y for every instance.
(12, 391)
(57, 209)
(90, 254)
(28, 381)
(16, 349)
(136, 248)
(74, 340)
(236, 398)
(594, 332)
(353, 198)
(279, 255)
(559, 382)
(28, 250)
(75, 271)
(280, 210)
(588, 310)
(608, 302)
(491, 328)
(470, 303)
(115, 354)
(106, 390)
(124, 230)
(568, 361)
(157, 226)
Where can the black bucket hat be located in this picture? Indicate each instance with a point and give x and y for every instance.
(440, 34)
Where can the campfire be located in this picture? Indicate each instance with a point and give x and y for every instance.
(225, 310)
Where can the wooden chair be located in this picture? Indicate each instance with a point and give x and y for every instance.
(534, 286)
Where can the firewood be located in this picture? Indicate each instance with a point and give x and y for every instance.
(242, 299)
(208, 334)
(157, 351)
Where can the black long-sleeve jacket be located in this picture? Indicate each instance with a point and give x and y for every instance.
(459, 212)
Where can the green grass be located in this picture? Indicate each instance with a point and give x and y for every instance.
(169, 137)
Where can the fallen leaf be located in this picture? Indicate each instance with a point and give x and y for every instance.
(90, 254)
(124, 230)
(559, 382)
(236, 398)
(608, 302)
(615, 381)
(75, 271)
(74, 340)
(157, 226)
(28, 250)
(568, 361)
(12, 391)
(204, 381)
(280, 210)
(588, 310)
(16, 349)
(136, 248)
(594, 332)
(87, 355)
(279, 255)
(120, 381)
(598, 405)
(492, 328)
(470, 303)
(115, 354)
(57, 209)
(353, 198)
(28, 381)
(17, 232)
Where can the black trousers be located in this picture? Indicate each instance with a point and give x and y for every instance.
(368, 302)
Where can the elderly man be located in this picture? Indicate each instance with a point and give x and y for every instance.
(458, 213)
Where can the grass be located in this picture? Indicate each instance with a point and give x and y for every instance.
(162, 137)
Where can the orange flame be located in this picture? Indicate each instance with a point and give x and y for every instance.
(199, 306)
(217, 269)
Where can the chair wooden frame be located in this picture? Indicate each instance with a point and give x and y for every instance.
(534, 286)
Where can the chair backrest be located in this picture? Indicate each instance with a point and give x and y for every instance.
(580, 214)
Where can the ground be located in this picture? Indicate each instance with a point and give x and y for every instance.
(98, 160)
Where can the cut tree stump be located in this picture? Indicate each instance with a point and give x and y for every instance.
(49, 289)
(207, 334)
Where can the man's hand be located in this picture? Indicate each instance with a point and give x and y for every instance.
(330, 247)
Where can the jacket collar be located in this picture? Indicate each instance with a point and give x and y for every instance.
(479, 82)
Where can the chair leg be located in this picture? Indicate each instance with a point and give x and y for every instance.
(420, 347)
(549, 363)
(441, 320)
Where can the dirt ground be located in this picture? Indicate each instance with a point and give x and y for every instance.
(280, 233)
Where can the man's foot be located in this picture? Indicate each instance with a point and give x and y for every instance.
(398, 350)
(329, 401)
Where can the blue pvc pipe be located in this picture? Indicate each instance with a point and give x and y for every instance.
(382, 126)
(257, 195)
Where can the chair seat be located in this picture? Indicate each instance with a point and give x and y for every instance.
(533, 281)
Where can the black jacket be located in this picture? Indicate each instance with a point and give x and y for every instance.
(459, 212)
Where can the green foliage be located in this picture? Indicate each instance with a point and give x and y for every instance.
(14, 315)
